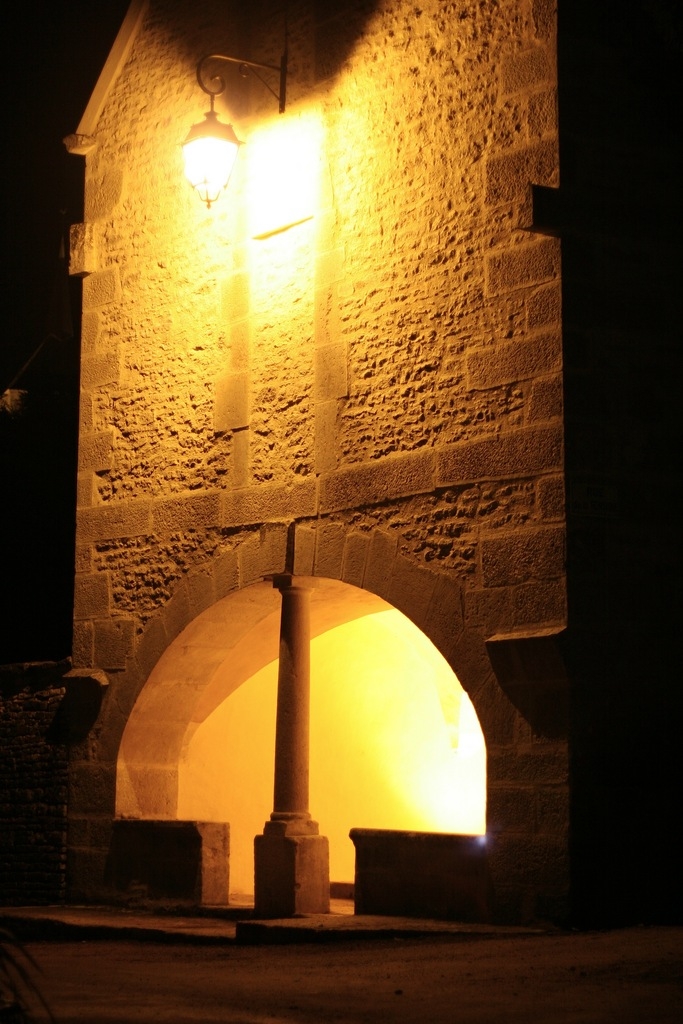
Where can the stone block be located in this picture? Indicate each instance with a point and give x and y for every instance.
(329, 550)
(544, 307)
(82, 251)
(511, 809)
(379, 563)
(113, 639)
(176, 613)
(102, 193)
(326, 435)
(189, 512)
(231, 409)
(546, 764)
(83, 649)
(151, 645)
(114, 520)
(537, 604)
(527, 69)
(95, 451)
(90, 330)
(86, 489)
(98, 370)
(544, 13)
(292, 875)
(543, 114)
(185, 861)
(240, 344)
(523, 266)
(239, 466)
(328, 268)
(200, 591)
(371, 482)
(249, 561)
(533, 554)
(411, 589)
(91, 596)
(421, 874)
(545, 400)
(226, 573)
(273, 544)
(514, 361)
(509, 177)
(522, 453)
(91, 789)
(331, 372)
(550, 497)
(101, 288)
(489, 610)
(444, 618)
(267, 503)
(327, 327)
(355, 555)
(304, 550)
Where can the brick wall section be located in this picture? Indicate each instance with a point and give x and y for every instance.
(33, 786)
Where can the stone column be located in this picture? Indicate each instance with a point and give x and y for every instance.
(291, 860)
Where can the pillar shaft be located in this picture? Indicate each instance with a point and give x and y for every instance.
(291, 861)
(290, 795)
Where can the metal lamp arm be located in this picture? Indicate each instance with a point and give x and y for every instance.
(244, 67)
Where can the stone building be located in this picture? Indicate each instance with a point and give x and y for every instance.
(347, 376)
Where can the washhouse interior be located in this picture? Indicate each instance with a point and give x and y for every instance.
(395, 741)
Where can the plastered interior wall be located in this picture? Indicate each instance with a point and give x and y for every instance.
(361, 337)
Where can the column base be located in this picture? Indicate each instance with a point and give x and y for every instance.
(292, 875)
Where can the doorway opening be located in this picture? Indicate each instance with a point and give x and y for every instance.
(395, 741)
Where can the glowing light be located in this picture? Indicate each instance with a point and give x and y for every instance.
(385, 708)
(283, 174)
(210, 151)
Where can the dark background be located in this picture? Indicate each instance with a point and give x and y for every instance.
(53, 53)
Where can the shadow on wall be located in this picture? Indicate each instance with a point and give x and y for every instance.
(395, 742)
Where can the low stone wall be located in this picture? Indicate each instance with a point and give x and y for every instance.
(179, 861)
(421, 874)
(33, 785)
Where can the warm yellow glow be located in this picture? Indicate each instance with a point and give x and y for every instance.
(210, 151)
(395, 743)
(283, 173)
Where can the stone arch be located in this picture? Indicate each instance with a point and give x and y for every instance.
(371, 562)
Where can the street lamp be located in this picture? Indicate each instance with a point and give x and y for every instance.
(211, 147)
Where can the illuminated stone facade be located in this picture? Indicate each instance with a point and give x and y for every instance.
(350, 367)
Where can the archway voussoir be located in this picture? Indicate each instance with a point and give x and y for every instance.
(151, 645)
(329, 550)
(356, 547)
(304, 549)
(411, 589)
(201, 591)
(443, 622)
(226, 573)
(177, 611)
(379, 564)
(273, 548)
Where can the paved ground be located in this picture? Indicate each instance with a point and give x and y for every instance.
(615, 977)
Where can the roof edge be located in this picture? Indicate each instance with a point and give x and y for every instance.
(118, 56)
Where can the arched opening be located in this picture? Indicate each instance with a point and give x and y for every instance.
(395, 741)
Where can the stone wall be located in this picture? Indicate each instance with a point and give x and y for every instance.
(33, 785)
(362, 337)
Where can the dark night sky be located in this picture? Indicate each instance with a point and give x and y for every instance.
(51, 63)
(52, 60)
